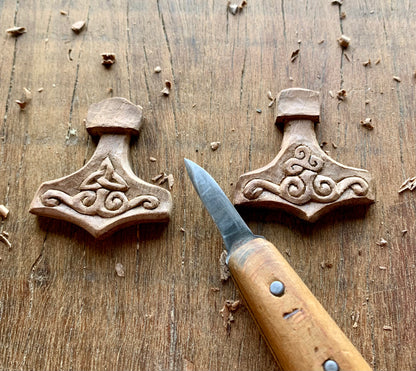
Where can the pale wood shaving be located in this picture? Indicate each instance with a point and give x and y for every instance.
(120, 270)
(409, 183)
(224, 271)
(16, 31)
(4, 211)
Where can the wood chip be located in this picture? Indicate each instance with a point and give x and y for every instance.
(224, 271)
(5, 240)
(171, 181)
(63, 12)
(234, 8)
(367, 123)
(230, 306)
(344, 41)
(157, 69)
(120, 270)
(108, 59)
(215, 145)
(382, 268)
(78, 26)
(382, 242)
(397, 78)
(367, 63)
(408, 184)
(341, 94)
(158, 177)
(387, 328)
(182, 230)
(4, 211)
(152, 159)
(294, 55)
(16, 31)
(166, 90)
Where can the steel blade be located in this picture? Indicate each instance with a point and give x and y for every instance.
(232, 227)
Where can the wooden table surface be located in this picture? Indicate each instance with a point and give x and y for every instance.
(62, 305)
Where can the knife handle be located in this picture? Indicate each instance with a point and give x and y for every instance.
(298, 330)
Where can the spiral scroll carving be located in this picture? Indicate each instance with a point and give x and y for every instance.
(303, 183)
(102, 193)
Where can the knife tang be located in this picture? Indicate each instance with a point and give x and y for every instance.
(297, 329)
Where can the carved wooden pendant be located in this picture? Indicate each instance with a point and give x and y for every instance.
(105, 195)
(303, 179)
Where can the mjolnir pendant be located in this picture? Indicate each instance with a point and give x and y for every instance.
(303, 179)
(105, 194)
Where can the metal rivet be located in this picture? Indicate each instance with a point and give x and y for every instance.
(277, 288)
(330, 365)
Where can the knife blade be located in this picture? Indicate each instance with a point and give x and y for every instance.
(299, 332)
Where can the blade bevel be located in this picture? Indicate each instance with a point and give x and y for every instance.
(232, 227)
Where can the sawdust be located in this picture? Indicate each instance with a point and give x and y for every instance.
(224, 271)
(230, 306)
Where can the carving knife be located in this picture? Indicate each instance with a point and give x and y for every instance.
(299, 332)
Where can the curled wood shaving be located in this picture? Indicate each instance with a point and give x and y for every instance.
(382, 242)
(120, 270)
(341, 94)
(4, 211)
(4, 238)
(294, 55)
(152, 159)
(344, 41)
(166, 90)
(367, 63)
(236, 8)
(367, 123)
(387, 328)
(397, 78)
(108, 59)
(16, 31)
(215, 145)
(409, 183)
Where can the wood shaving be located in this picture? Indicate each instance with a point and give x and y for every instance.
(341, 94)
(157, 69)
(63, 12)
(230, 306)
(404, 231)
(182, 230)
(236, 8)
(16, 31)
(270, 96)
(344, 41)
(215, 145)
(40, 90)
(387, 328)
(347, 57)
(337, 2)
(258, 110)
(382, 268)
(22, 104)
(409, 183)
(158, 177)
(367, 63)
(215, 289)
(271, 103)
(5, 240)
(367, 123)
(78, 26)
(382, 242)
(377, 61)
(397, 78)
(343, 15)
(171, 181)
(294, 55)
(166, 90)
(120, 270)
(321, 42)
(152, 159)
(355, 316)
(4, 212)
(334, 145)
(108, 59)
(224, 271)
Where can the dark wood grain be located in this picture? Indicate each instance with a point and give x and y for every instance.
(62, 305)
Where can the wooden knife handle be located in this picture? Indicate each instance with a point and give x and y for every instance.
(298, 330)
